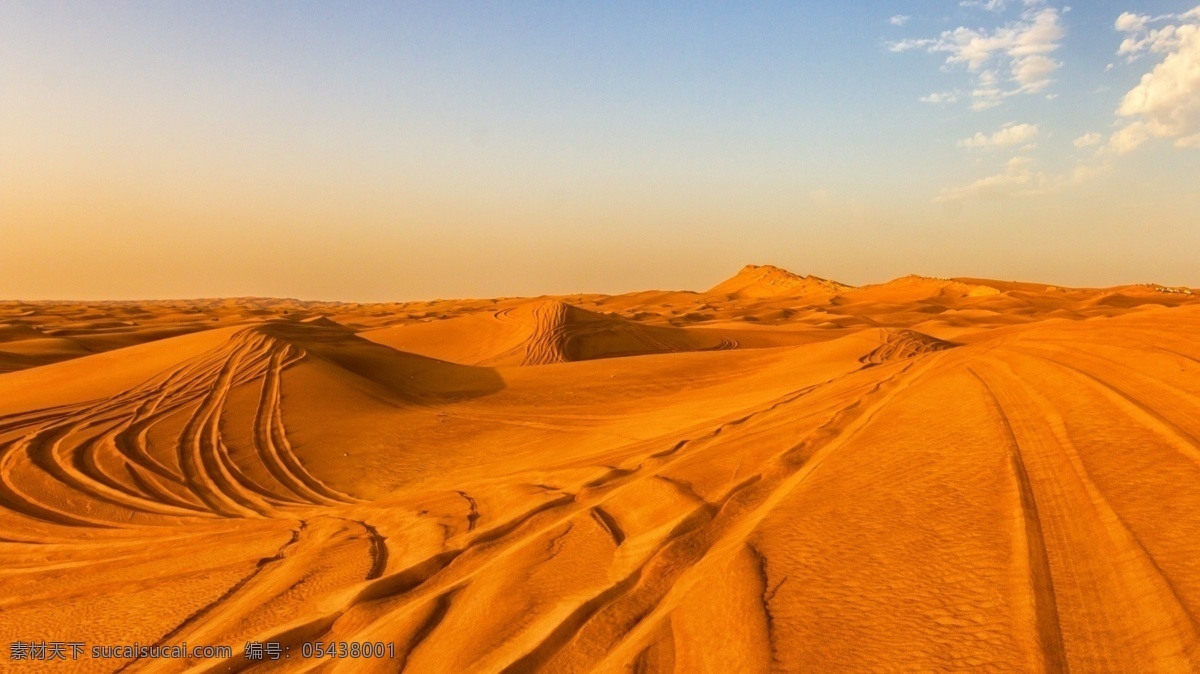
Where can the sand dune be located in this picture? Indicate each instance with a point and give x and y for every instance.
(901, 344)
(924, 475)
(755, 281)
(543, 332)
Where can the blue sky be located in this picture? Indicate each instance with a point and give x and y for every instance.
(391, 151)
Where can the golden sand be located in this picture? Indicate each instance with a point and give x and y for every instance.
(781, 474)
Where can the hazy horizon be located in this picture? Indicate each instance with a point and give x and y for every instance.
(666, 288)
(390, 153)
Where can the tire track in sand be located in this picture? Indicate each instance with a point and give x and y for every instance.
(1096, 561)
(1041, 581)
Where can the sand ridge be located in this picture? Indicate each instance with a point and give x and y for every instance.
(780, 474)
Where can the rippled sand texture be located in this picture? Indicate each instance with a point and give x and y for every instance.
(781, 474)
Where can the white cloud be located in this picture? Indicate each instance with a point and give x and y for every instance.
(1166, 102)
(1007, 136)
(1128, 138)
(1156, 41)
(1129, 22)
(1032, 73)
(989, 5)
(1024, 46)
(996, 5)
(982, 104)
(1088, 140)
(938, 98)
(1019, 178)
(899, 20)
(910, 44)
(1144, 39)
(988, 93)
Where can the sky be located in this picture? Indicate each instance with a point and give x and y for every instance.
(399, 151)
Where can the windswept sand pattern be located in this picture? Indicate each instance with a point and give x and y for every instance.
(1014, 499)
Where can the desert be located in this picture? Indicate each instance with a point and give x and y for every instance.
(521, 337)
(782, 473)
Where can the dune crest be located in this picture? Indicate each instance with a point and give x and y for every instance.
(913, 287)
(764, 281)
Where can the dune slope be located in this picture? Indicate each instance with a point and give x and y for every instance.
(543, 332)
